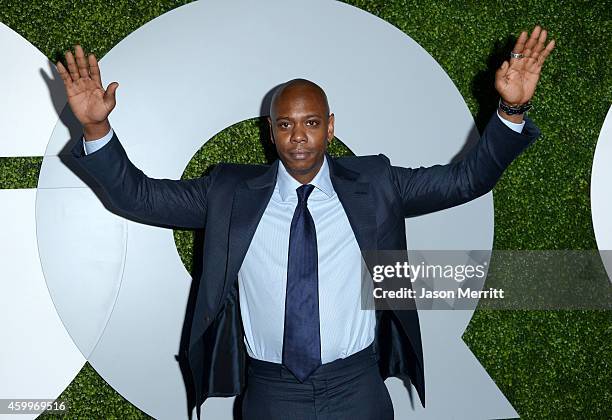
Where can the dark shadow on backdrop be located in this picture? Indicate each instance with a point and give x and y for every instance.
(197, 265)
(483, 89)
(483, 84)
(58, 97)
(265, 136)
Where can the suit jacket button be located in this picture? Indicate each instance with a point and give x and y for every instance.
(206, 318)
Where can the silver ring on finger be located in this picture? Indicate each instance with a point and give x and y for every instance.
(516, 55)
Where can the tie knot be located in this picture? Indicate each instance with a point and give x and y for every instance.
(303, 192)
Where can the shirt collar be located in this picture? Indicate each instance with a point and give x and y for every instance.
(287, 184)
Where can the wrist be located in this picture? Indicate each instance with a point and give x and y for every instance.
(513, 112)
(96, 131)
(517, 118)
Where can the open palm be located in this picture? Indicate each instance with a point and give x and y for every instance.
(90, 103)
(516, 81)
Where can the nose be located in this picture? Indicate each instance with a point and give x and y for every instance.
(298, 135)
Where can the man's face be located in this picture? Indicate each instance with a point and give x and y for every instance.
(301, 129)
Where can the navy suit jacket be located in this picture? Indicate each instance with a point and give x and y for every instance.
(229, 203)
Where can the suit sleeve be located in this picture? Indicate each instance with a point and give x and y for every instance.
(428, 189)
(92, 146)
(134, 195)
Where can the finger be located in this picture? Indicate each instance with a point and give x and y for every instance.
(533, 63)
(520, 42)
(109, 95)
(72, 67)
(547, 50)
(519, 46)
(533, 39)
(64, 74)
(541, 57)
(541, 40)
(94, 70)
(81, 62)
(502, 70)
(522, 62)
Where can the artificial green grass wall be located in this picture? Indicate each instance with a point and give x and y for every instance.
(550, 364)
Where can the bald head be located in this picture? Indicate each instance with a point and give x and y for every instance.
(301, 127)
(298, 90)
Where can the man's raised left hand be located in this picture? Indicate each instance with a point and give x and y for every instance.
(516, 79)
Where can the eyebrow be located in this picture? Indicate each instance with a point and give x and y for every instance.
(306, 117)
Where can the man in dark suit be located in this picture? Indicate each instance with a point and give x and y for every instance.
(278, 307)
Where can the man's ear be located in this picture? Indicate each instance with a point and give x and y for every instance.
(330, 128)
(271, 131)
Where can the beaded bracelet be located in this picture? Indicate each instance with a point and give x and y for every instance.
(515, 110)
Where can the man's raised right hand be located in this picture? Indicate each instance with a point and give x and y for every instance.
(90, 103)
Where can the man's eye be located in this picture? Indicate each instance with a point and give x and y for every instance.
(312, 122)
(283, 124)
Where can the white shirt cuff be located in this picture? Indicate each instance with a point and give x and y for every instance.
(94, 145)
(518, 127)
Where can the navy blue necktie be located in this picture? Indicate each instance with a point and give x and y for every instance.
(301, 340)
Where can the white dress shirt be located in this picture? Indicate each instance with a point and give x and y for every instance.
(344, 327)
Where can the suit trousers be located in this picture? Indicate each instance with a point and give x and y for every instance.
(349, 388)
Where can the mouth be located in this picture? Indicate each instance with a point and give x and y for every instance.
(299, 154)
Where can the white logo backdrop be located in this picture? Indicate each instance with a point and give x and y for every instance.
(119, 287)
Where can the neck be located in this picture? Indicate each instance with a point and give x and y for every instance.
(305, 176)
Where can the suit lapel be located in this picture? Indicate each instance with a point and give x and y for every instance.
(250, 201)
(355, 197)
(252, 196)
